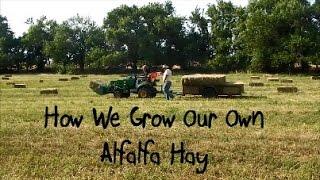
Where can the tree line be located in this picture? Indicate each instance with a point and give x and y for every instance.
(265, 36)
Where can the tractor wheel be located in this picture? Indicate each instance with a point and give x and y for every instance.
(126, 95)
(209, 92)
(144, 93)
(117, 94)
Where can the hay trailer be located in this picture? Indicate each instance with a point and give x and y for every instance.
(210, 85)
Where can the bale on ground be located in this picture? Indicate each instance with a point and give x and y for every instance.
(286, 80)
(83, 76)
(203, 79)
(20, 85)
(63, 79)
(41, 80)
(315, 77)
(273, 79)
(287, 89)
(256, 84)
(10, 83)
(254, 77)
(8, 75)
(49, 91)
(5, 78)
(75, 78)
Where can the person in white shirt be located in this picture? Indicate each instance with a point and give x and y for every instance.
(167, 75)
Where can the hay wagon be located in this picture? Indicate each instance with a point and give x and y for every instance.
(210, 85)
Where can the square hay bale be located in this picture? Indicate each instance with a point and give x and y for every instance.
(286, 80)
(75, 78)
(41, 80)
(254, 77)
(256, 84)
(315, 77)
(273, 79)
(268, 75)
(10, 83)
(8, 75)
(83, 76)
(5, 78)
(20, 85)
(203, 79)
(287, 89)
(49, 91)
(63, 79)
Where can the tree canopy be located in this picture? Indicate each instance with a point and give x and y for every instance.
(265, 36)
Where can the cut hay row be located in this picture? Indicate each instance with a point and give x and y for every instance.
(203, 79)
(273, 79)
(315, 77)
(254, 77)
(49, 91)
(286, 80)
(20, 85)
(287, 89)
(256, 84)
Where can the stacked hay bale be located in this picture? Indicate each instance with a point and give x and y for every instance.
(287, 89)
(203, 79)
(49, 91)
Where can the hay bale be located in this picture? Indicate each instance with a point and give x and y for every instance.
(203, 79)
(5, 78)
(8, 75)
(273, 79)
(63, 79)
(315, 77)
(287, 89)
(256, 84)
(268, 75)
(20, 85)
(75, 78)
(10, 83)
(83, 76)
(49, 91)
(41, 80)
(254, 77)
(286, 80)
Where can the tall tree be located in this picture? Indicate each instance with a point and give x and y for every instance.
(7, 44)
(34, 40)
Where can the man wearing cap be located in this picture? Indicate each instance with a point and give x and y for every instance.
(167, 75)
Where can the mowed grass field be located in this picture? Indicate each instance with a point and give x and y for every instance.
(288, 147)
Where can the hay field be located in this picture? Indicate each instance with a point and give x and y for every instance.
(288, 147)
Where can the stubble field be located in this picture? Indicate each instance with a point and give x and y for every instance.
(288, 147)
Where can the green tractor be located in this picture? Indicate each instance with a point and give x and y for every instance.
(122, 88)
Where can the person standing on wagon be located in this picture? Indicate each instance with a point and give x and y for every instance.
(167, 75)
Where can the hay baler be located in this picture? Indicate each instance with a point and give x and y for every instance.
(122, 88)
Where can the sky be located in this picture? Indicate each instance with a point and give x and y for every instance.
(18, 11)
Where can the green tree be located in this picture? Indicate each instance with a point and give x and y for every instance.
(279, 34)
(7, 44)
(224, 18)
(34, 40)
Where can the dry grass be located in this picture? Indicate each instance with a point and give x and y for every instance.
(287, 148)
